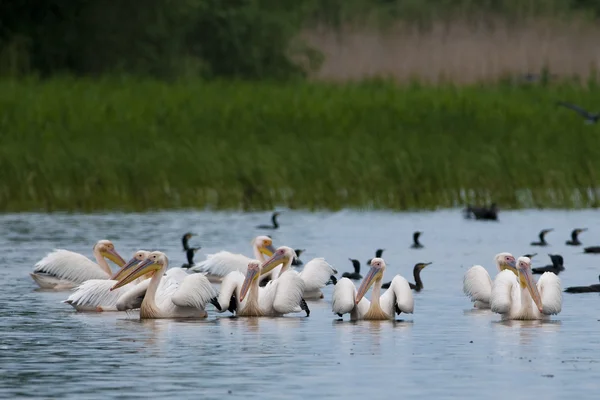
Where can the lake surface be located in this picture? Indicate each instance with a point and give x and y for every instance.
(444, 350)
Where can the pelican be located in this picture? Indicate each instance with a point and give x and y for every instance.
(95, 294)
(477, 283)
(279, 297)
(218, 265)
(315, 274)
(518, 297)
(398, 299)
(180, 297)
(64, 269)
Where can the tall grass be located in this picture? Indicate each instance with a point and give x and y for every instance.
(135, 144)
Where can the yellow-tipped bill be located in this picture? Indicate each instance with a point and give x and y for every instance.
(251, 275)
(113, 256)
(143, 268)
(274, 261)
(125, 269)
(374, 274)
(527, 279)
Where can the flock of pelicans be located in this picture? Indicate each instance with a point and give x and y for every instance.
(267, 284)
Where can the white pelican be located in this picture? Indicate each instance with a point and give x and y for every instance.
(520, 298)
(280, 296)
(179, 298)
(315, 274)
(95, 294)
(64, 269)
(397, 299)
(218, 265)
(477, 283)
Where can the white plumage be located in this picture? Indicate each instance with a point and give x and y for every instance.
(477, 284)
(512, 296)
(397, 299)
(63, 269)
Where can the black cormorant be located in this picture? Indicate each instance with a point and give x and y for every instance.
(274, 220)
(189, 253)
(486, 213)
(416, 244)
(592, 249)
(542, 237)
(556, 267)
(297, 260)
(356, 274)
(418, 285)
(185, 239)
(378, 254)
(584, 289)
(574, 239)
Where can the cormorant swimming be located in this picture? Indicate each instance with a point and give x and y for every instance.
(189, 253)
(184, 240)
(356, 274)
(592, 249)
(416, 244)
(542, 237)
(378, 254)
(274, 220)
(590, 118)
(484, 213)
(584, 289)
(556, 267)
(418, 285)
(574, 239)
(297, 260)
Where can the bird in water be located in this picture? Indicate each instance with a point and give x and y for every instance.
(574, 237)
(557, 265)
(356, 274)
(542, 237)
(297, 260)
(418, 285)
(590, 118)
(273, 220)
(484, 213)
(584, 289)
(416, 244)
(189, 253)
(185, 240)
(378, 254)
(592, 249)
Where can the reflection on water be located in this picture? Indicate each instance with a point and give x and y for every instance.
(446, 349)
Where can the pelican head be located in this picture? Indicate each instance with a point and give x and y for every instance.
(138, 257)
(506, 261)
(264, 244)
(283, 255)
(375, 274)
(107, 250)
(252, 274)
(526, 280)
(153, 262)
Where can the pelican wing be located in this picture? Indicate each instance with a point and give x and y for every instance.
(316, 274)
(95, 293)
(283, 294)
(477, 284)
(344, 297)
(398, 298)
(550, 290)
(504, 292)
(195, 291)
(68, 265)
(132, 299)
(222, 263)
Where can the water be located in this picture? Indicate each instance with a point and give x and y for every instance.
(444, 350)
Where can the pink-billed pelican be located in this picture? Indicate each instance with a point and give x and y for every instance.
(518, 297)
(218, 265)
(179, 298)
(64, 269)
(315, 274)
(477, 283)
(242, 295)
(95, 294)
(397, 299)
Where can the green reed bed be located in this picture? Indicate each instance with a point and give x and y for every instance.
(130, 144)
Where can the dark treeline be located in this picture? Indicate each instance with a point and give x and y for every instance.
(239, 38)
